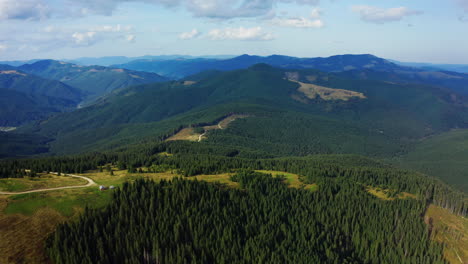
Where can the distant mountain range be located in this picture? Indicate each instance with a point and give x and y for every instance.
(346, 115)
(461, 68)
(94, 80)
(183, 67)
(25, 97)
(374, 68)
(35, 91)
(350, 104)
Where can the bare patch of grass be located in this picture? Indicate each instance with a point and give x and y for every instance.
(451, 230)
(41, 182)
(385, 194)
(187, 83)
(313, 91)
(293, 180)
(185, 134)
(191, 135)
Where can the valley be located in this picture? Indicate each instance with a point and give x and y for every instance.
(314, 153)
(243, 132)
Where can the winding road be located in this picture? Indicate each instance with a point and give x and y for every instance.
(90, 183)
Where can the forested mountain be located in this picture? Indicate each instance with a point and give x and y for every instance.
(321, 126)
(457, 82)
(183, 67)
(195, 222)
(93, 80)
(461, 68)
(354, 66)
(113, 60)
(25, 97)
(14, 79)
(379, 119)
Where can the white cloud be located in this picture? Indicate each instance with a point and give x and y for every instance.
(189, 35)
(221, 9)
(380, 15)
(93, 35)
(85, 38)
(316, 13)
(23, 9)
(241, 33)
(3, 47)
(114, 29)
(49, 29)
(130, 38)
(298, 22)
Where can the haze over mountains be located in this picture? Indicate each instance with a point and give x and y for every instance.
(94, 80)
(350, 104)
(366, 147)
(34, 91)
(376, 68)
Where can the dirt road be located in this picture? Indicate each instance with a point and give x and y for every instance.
(90, 183)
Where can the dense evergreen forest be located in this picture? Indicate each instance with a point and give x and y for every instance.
(194, 158)
(264, 222)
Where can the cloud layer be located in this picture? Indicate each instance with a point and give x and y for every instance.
(23, 9)
(380, 15)
(241, 33)
(189, 35)
(298, 22)
(221, 9)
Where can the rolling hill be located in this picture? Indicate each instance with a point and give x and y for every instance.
(93, 80)
(25, 97)
(282, 184)
(384, 121)
(442, 155)
(352, 66)
(182, 67)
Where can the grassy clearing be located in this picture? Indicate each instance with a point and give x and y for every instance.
(22, 237)
(311, 91)
(386, 194)
(191, 134)
(188, 83)
(42, 182)
(185, 134)
(27, 219)
(451, 230)
(293, 180)
(65, 202)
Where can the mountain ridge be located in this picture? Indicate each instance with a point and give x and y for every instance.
(94, 80)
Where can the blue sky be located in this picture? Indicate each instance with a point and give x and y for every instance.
(417, 30)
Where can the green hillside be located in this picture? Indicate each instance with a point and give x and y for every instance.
(283, 120)
(13, 79)
(25, 97)
(444, 156)
(18, 108)
(94, 80)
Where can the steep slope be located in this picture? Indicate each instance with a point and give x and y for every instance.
(25, 97)
(443, 155)
(384, 121)
(94, 80)
(18, 108)
(14, 79)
